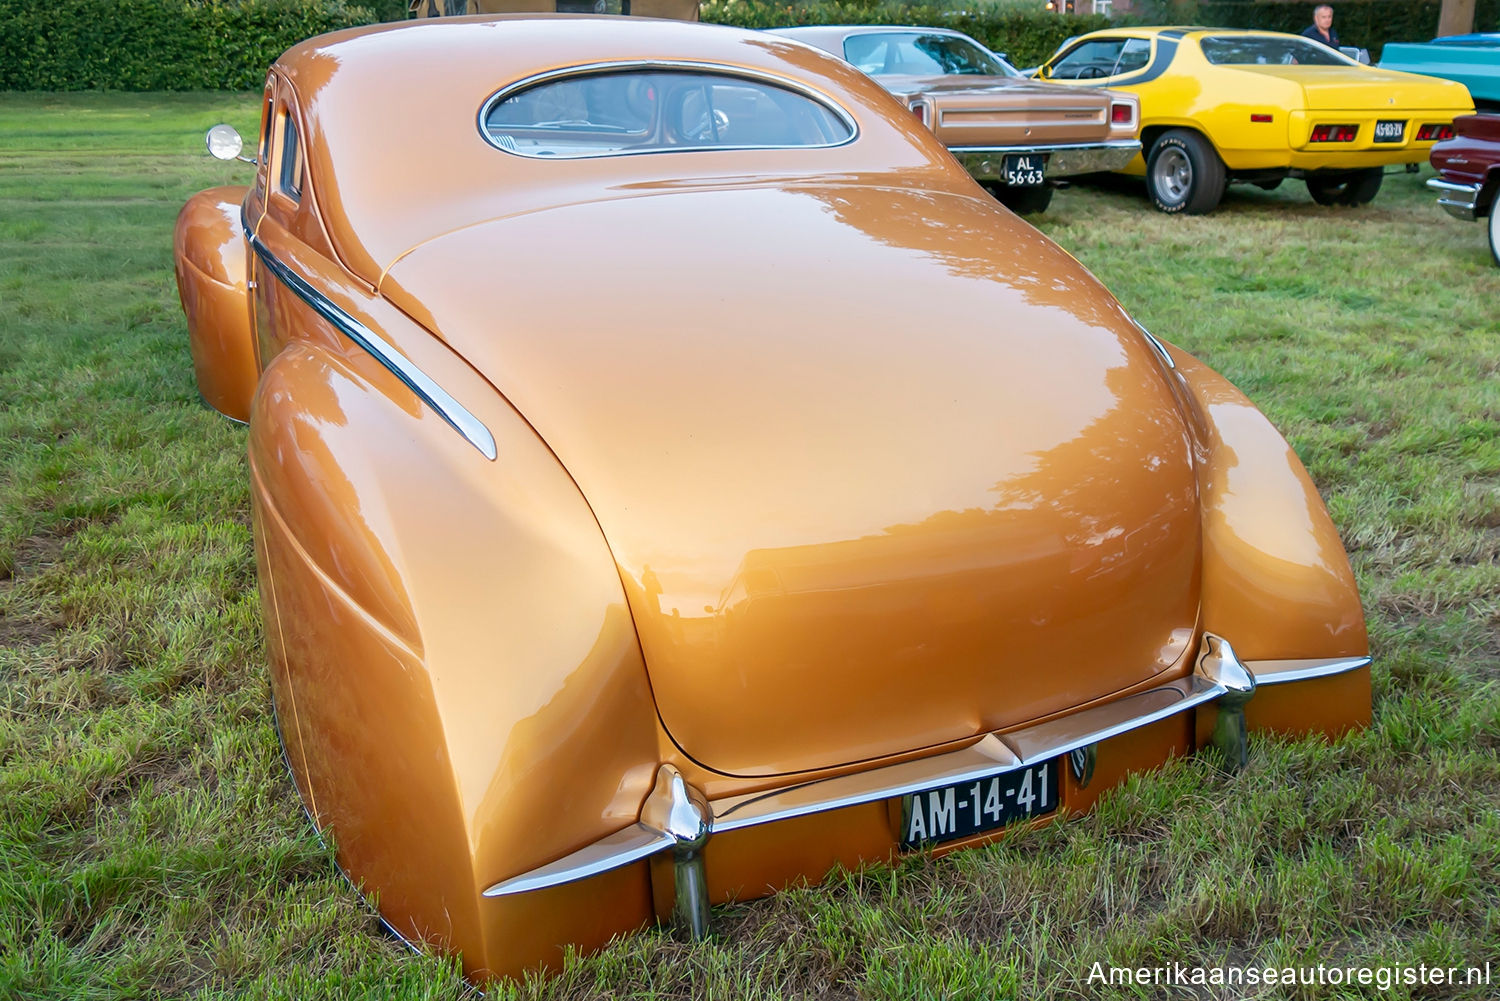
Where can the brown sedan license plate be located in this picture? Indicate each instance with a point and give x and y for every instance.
(965, 808)
(1390, 131)
(1023, 170)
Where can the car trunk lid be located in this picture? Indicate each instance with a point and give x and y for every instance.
(1004, 112)
(1360, 88)
(880, 468)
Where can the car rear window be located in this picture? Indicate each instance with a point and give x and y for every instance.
(910, 53)
(1255, 50)
(616, 111)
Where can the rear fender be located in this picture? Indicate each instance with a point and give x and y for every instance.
(450, 642)
(1276, 578)
(208, 249)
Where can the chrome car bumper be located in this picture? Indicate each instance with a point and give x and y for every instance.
(1063, 159)
(1459, 200)
(678, 817)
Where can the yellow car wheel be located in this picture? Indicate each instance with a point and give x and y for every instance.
(1356, 187)
(1184, 173)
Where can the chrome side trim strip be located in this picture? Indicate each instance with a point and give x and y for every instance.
(620, 848)
(446, 407)
(1161, 349)
(1275, 672)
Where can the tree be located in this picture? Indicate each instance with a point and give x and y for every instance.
(1456, 17)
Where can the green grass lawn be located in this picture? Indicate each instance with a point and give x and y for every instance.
(151, 843)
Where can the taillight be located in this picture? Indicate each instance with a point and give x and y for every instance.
(1333, 133)
(919, 109)
(1434, 131)
(1122, 114)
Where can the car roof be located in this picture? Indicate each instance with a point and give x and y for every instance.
(396, 155)
(864, 29)
(824, 35)
(1174, 31)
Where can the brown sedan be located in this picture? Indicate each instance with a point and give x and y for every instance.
(1014, 135)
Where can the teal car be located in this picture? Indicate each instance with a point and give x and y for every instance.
(1472, 60)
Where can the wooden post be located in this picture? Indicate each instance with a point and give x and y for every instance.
(1456, 17)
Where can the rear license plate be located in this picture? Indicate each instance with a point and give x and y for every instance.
(1023, 170)
(1390, 131)
(957, 811)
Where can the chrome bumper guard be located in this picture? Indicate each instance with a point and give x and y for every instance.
(1063, 159)
(678, 817)
(1458, 200)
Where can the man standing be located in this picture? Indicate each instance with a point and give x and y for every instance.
(1321, 30)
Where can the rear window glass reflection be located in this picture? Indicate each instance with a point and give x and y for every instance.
(651, 111)
(1259, 50)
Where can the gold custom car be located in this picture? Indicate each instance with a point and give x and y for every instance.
(1015, 136)
(674, 476)
(1223, 104)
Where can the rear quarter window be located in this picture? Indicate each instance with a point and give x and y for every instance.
(619, 111)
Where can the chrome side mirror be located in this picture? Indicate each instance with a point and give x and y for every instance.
(224, 143)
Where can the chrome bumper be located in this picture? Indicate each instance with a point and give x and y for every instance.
(1063, 159)
(678, 817)
(1458, 200)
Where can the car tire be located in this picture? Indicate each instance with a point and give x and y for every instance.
(1024, 201)
(1356, 187)
(1184, 173)
(1268, 185)
(1494, 228)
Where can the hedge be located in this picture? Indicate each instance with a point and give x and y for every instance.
(1366, 23)
(156, 44)
(227, 44)
(1026, 36)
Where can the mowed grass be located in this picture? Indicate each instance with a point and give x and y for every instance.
(151, 843)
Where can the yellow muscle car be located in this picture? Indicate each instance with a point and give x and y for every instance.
(1222, 104)
(674, 476)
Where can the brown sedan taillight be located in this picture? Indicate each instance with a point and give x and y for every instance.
(1122, 114)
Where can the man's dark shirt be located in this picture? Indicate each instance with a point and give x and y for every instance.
(1311, 31)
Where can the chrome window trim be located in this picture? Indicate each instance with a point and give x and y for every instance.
(419, 382)
(668, 65)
